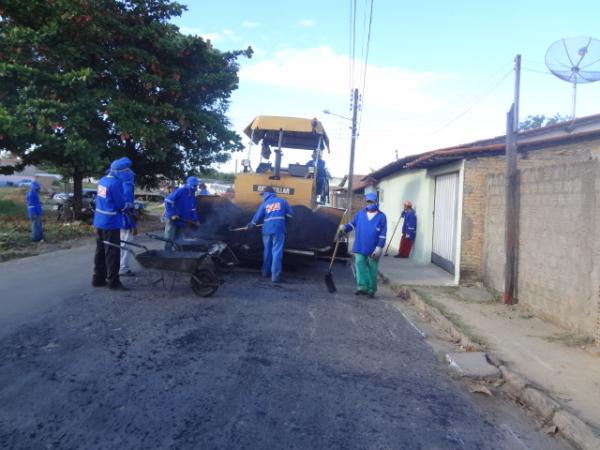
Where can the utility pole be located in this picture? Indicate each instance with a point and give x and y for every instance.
(511, 231)
(352, 148)
(517, 91)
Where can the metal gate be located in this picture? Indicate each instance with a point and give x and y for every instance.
(444, 221)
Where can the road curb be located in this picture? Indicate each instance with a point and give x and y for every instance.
(575, 430)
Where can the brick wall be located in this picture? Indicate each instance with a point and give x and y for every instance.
(559, 246)
(473, 220)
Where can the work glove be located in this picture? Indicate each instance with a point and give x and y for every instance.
(341, 231)
(377, 253)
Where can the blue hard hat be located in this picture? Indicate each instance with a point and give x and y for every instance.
(371, 197)
(192, 181)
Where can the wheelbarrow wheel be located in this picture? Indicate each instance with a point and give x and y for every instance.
(224, 264)
(204, 283)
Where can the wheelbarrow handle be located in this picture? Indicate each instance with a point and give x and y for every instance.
(119, 247)
(124, 244)
(159, 238)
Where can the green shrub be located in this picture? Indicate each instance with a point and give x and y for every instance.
(10, 208)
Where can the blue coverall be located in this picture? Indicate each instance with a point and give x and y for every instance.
(108, 221)
(274, 211)
(180, 203)
(34, 211)
(369, 234)
(129, 224)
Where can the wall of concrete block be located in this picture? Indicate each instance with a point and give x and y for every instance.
(559, 240)
(476, 173)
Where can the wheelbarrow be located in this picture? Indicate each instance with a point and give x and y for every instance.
(199, 265)
(223, 257)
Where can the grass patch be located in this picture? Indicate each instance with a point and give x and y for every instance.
(455, 319)
(15, 236)
(571, 339)
(15, 229)
(10, 208)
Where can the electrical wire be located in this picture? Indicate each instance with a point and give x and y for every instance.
(474, 104)
(366, 65)
(467, 97)
(352, 49)
(472, 95)
(525, 69)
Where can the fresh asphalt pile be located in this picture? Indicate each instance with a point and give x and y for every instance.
(254, 366)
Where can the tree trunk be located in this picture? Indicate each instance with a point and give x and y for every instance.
(77, 191)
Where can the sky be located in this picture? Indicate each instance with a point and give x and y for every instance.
(437, 73)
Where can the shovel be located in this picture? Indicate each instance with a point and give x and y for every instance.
(328, 276)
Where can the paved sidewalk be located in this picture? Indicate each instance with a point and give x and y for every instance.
(550, 361)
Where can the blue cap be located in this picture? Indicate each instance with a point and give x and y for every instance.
(35, 185)
(192, 181)
(371, 197)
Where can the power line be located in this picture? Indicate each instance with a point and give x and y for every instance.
(366, 63)
(352, 50)
(474, 104)
(536, 71)
(474, 94)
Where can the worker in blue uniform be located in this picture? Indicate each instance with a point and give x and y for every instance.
(370, 229)
(321, 174)
(180, 211)
(409, 230)
(203, 189)
(34, 211)
(129, 230)
(274, 212)
(108, 221)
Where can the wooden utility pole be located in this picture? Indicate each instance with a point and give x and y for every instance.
(512, 195)
(352, 148)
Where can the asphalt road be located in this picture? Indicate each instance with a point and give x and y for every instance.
(256, 366)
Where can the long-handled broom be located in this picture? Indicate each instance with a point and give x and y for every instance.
(393, 234)
(328, 276)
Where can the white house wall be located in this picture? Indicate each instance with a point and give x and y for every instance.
(413, 185)
(418, 186)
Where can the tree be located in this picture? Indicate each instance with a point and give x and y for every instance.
(83, 82)
(539, 121)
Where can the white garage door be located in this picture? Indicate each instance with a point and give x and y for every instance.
(444, 221)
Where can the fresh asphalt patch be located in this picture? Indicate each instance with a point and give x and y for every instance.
(255, 366)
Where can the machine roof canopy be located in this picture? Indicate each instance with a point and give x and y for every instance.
(298, 133)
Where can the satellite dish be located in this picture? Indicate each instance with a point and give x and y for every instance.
(575, 59)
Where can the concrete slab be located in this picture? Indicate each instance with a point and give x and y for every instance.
(411, 273)
(472, 364)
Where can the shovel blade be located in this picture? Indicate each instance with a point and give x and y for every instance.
(329, 283)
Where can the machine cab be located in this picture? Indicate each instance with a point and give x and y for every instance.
(300, 184)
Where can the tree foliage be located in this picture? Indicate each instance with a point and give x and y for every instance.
(85, 81)
(540, 120)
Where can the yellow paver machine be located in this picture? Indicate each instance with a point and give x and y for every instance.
(313, 228)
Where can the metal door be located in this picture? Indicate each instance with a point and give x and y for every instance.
(444, 221)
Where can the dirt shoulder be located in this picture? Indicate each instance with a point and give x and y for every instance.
(15, 228)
